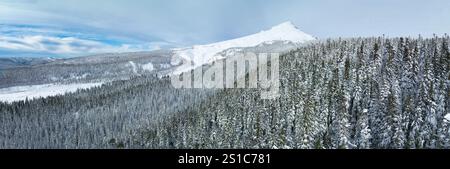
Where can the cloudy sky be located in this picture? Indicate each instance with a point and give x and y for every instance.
(79, 27)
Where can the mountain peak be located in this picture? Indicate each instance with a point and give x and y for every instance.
(287, 31)
(203, 54)
(285, 25)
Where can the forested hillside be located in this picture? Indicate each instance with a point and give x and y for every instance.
(343, 93)
(93, 118)
(353, 93)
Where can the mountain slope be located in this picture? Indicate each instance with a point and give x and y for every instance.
(13, 62)
(203, 54)
(109, 67)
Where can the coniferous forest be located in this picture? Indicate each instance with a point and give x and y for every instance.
(359, 93)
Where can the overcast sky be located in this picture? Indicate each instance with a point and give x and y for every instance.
(76, 27)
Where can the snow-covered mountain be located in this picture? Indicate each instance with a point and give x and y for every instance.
(13, 62)
(204, 54)
(59, 76)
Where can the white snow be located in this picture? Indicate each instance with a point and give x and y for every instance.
(18, 93)
(447, 117)
(165, 66)
(148, 67)
(203, 54)
(133, 66)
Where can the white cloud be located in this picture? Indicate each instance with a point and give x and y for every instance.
(64, 46)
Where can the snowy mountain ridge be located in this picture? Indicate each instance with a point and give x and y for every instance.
(60, 76)
(203, 54)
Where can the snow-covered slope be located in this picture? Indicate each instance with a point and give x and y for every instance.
(18, 93)
(203, 54)
(123, 65)
(447, 117)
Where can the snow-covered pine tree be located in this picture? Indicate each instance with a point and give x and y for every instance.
(362, 132)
